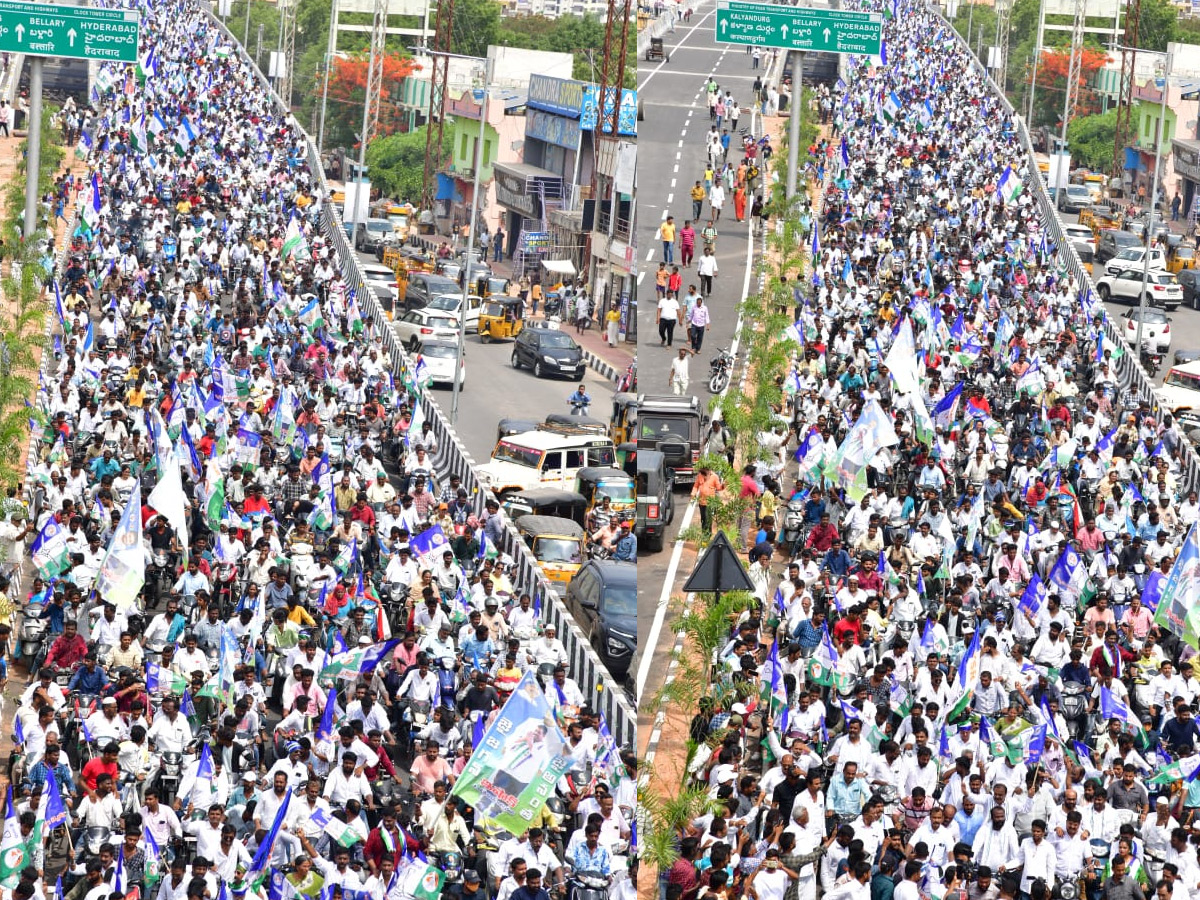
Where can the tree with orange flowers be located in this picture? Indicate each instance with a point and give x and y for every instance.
(1052, 74)
(348, 91)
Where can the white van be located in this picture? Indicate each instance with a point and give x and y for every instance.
(544, 459)
(1181, 387)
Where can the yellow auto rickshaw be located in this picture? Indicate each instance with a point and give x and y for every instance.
(596, 482)
(556, 543)
(500, 318)
(624, 417)
(1182, 257)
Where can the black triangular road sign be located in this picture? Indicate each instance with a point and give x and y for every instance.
(719, 569)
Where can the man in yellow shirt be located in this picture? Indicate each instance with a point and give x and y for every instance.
(697, 200)
(666, 234)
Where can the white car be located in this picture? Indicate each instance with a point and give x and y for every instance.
(419, 325)
(437, 359)
(1131, 258)
(380, 276)
(451, 303)
(1081, 234)
(1156, 328)
(1162, 288)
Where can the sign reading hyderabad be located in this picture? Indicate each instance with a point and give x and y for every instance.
(798, 27)
(75, 32)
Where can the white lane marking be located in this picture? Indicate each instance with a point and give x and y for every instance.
(664, 599)
(670, 199)
(672, 182)
(690, 32)
(676, 169)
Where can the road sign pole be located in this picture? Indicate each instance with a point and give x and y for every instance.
(33, 155)
(797, 104)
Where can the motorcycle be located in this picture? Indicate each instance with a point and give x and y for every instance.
(793, 524)
(580, 406)
(587, 886)
(720, 370)
(1074, 708)
(1151, 362)
(33, 633)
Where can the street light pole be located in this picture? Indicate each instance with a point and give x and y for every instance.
(467, 268)
(329, 54)
(1162, 118)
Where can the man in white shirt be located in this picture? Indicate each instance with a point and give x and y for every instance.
(996, 842)
(345, 784)
(939, 837)
(1036, 858)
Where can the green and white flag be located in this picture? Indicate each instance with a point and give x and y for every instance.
(294, 242)
(1009, 187)
(310, 316)
(215, 507)
(16, 850)
(430, 885)
(891, 107)
(342, 833)
(185, 134)
(50, 554)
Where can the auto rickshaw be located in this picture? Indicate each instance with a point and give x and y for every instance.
(595, 483)
(627, 457)
(1183, 256)
(547, 502)
(556, 543)
(657, 50)
(500, 318)
(624, 417)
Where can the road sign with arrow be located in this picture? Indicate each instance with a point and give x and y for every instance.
(798, 27)
(75, 32)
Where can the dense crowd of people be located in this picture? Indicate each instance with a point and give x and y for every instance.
(268, 640)
(968, 669)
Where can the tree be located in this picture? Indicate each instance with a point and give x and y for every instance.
(476, 24)
(348, 91)
(396, 163)
(1157, 24)
(1052, 81)
(1091, 140)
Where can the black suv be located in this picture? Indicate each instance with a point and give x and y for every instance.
(602, 597)
(424, 286)
(548, 352)
(655, 498)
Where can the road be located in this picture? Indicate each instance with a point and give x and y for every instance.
(1185, 322)
(494, 390)
(672, 133)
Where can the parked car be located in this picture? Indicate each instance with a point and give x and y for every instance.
(424, 286)
(1083, 240)
(452, 303)
(438, 357)
(1074, 198)
(419, 325)
(1162, 288)
(372, 234)
(1188, 280)
(602, 597)
(1156, 328)
(548, 352)
(1111, 242)
(1132, 257)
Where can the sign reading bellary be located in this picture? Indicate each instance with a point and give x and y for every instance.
(75, 32)
(798, 27)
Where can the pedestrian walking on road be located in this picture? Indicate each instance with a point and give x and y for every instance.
(678, 379)
(1176, 202)
(698, 323)
(755, 58)
(666, 234)
(687, 244)
(5, 116)
(583, 312)
(669, 314)
(698, 194)
(716, 199)
(706, 268)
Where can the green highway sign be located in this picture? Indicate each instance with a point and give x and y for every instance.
(798, 27)
(75, 32)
